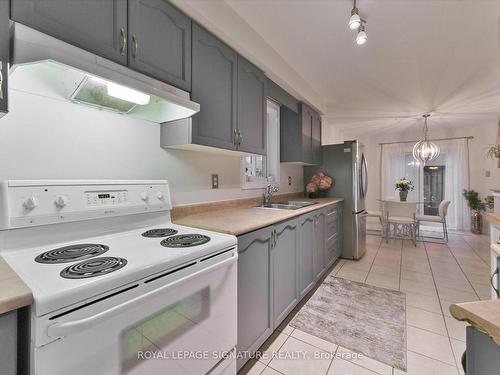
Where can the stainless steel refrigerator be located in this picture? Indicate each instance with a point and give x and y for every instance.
(346, 163)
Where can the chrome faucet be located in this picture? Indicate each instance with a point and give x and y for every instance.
(268, 193)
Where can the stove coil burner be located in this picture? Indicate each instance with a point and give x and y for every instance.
(160, 232)
(93, 267)
(185, 240)
(71, 253)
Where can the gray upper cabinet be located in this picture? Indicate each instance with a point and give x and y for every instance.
(251, 108)
(214, 87)
(316, 139)
(319, 244)
(305, 262)
(300, 135)
(254, 290)
(284, 265)
(4, 57)
(160, 41)
(94, 25)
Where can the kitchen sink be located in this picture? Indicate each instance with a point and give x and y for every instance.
(290, 205)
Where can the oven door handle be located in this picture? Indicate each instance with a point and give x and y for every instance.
(64, 329)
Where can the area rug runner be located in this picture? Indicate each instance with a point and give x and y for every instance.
(363, 318)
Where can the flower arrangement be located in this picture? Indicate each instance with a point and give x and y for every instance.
(320, 182)
(404, 184)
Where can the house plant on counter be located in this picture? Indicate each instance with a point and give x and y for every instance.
(477, 205)
(318, 186)
(404, 186)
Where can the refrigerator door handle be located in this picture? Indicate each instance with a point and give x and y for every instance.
(364, 176)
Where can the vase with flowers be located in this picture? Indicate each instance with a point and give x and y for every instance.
(404, 185)
(318, 186)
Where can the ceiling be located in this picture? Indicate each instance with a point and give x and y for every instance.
(438, 56)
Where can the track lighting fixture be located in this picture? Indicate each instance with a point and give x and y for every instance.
(357, 23)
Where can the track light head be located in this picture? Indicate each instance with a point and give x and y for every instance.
(361, 38)
(355, 20)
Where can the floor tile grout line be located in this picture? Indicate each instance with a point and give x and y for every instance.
(442, 312)
(474, 250)
(373, 261)
(461, 269)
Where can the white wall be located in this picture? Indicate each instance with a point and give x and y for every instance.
(484, 135)
(44, 138)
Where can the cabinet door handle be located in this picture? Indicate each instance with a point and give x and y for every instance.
(1, 79)
(135, 46)
(240, 138)
(123, 42)
(492, 284)
(235, 137)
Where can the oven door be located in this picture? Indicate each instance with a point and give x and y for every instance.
(178, 325)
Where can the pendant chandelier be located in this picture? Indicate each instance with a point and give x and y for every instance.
(425, 150)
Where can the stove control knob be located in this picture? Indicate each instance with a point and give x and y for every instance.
(61, 201)
(30, 202)
(159, 195)
(144, 196)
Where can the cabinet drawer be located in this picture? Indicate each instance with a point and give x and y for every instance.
(331, 250)
(331, 223)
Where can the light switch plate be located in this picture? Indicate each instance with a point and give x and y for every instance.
(487, 174)
(215, 181)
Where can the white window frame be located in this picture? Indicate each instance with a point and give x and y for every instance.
(272, 154)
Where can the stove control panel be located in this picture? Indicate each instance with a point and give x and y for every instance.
(106, 198)
(40, 202)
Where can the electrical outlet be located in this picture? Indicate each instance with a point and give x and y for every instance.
(215, 181)
(487, 174)
(289, 180)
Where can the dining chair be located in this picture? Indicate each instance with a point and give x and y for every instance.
(440, 218)
(379, 216)
(401, 216)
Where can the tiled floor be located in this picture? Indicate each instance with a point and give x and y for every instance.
(432, 275)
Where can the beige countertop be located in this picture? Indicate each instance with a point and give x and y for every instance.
(495, 248)
(482, 315)
(493, 218)
(14, 293)
(241, 220)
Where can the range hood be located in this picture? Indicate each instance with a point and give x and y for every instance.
(43, 65)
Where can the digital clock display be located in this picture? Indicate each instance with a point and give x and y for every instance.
(103, 196)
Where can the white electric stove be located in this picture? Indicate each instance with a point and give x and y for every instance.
(118, 288)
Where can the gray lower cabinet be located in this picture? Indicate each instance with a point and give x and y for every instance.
(160, 41)
(251, 108)
(305, 261)
(8, 343)
(300, 135)
(319, 244)
(214, 87)
(284, 268)
(4, 57)
(277, 266)
(482, 354)
(254, 290)
(332, 235)
(94, 25)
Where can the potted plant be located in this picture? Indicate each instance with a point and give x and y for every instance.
(318, 186)
(493, 151)
(477, 205)
(404, 186)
